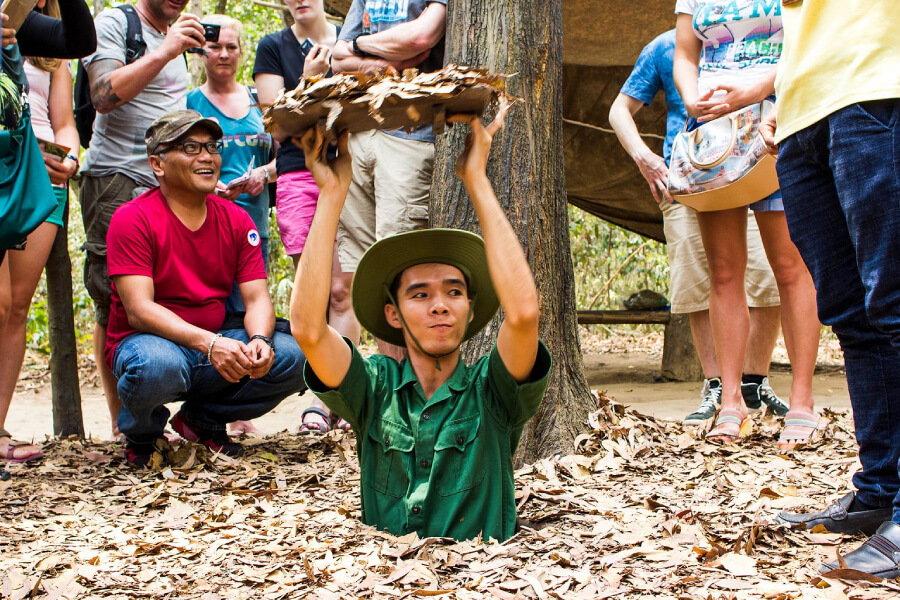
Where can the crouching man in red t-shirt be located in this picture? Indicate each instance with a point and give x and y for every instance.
(174, 254)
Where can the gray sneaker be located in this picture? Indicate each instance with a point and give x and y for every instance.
(755, 396)
(710, 399)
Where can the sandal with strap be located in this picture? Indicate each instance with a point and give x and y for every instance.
(339, 423)
(11, 448)
(318, 424)
(730, 426)
(800, 429)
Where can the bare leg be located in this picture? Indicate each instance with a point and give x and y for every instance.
(107, 379)
(798, 305)
(701, 331)
(765, 322)
(724, 236)
(19, 275)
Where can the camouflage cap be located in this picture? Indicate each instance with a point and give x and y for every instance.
(169, 127)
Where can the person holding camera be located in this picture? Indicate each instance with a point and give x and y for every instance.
(248, 161)
(128, 96)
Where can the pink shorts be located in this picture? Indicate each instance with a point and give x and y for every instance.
(295, 205)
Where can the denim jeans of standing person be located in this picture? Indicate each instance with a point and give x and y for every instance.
(152, 372)
(840, 178)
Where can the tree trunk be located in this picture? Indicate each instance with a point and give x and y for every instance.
(526, 169)
(67, 419)
(221, 7)
(195, 62)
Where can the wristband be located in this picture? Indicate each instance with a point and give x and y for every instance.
(75, 158)
(269, 342)
(212, 342)
(356, 49)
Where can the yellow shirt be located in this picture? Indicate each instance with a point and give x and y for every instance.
(836, 53)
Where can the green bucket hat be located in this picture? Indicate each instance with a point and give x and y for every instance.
(387, 258)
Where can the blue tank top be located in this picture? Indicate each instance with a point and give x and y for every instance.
(243, 139)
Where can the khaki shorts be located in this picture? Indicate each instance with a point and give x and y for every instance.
(100, 197)
(689, 271)
(388, 195)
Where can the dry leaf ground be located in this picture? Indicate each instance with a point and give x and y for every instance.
(643, 510)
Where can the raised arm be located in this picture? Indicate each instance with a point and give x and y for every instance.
(114, 83)
(652, 166)
(325, 350)
(517, 341)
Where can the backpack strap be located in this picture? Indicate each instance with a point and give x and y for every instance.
(135, 46)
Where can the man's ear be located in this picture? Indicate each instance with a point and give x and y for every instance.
(390, 314)
(156, 163)
(471, 312)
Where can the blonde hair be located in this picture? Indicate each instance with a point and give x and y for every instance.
(227, 22)
(50, 65)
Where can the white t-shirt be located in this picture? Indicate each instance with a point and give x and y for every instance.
(742, 39)
(117, 145)
(39, 101)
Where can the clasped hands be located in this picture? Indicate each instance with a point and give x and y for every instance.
(235, 360)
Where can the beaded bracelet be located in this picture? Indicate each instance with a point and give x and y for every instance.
(211, 344)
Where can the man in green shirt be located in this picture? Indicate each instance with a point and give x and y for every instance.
(435, 437)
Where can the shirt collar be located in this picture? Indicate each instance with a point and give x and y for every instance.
(457, 381)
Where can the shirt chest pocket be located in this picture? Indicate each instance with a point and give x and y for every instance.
(457, 463)
(392, 457)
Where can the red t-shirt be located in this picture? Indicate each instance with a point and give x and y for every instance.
(193, 272)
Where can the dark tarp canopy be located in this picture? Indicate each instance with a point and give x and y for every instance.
(601, 41)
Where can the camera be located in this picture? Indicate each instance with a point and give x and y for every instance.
(210, 34)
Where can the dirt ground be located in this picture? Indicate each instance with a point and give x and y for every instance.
(626, 367)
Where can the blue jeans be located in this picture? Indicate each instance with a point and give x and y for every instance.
(840, 178)
(234, 303)
(152, 371)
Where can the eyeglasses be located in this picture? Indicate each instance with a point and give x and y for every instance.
(194, 148)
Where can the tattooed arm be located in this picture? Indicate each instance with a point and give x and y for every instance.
(114, 83)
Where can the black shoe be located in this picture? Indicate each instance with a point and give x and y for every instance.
(879, 556)
(761, 395)
(837, 518)
(138, 455)
(215, 440)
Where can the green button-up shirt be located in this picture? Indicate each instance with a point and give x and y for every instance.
(442, 466)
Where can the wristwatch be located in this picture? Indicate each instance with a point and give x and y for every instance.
(356, 49)
(269, 342)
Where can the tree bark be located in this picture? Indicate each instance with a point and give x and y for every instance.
(526, 169)
(67, 418)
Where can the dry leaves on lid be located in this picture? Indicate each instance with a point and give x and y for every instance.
(360, 102)
(643, 509)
